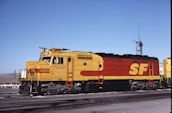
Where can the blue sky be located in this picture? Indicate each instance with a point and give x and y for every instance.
(81, 25)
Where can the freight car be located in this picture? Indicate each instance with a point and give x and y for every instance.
(62, 71)
(166, 78)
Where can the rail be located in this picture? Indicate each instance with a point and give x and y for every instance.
(13, 105)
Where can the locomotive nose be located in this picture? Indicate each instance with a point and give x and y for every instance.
(37, 67)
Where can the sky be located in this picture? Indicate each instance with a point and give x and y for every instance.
(109, 26)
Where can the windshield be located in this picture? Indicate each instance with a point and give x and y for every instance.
(46, 59)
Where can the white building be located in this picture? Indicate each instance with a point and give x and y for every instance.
(9, 83)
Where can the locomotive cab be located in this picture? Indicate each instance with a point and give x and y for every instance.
(60, 71)
(50, 67)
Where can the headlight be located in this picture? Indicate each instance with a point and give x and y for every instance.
(45, 53)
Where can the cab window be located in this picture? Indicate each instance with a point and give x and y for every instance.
(46, 59)
(69, 59)
(60, 60)
(54, 60)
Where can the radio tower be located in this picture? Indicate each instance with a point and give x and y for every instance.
(139, 44)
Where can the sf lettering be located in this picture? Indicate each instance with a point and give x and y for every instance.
(138, 69)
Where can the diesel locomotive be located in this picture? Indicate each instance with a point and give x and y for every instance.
(62, 71)
(166, 77)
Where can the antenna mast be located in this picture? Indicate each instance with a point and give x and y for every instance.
(139, 44)
(42, 48)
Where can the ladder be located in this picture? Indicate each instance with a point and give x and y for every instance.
(33, 89)
(70, 69)
(100, 78)
(151, 73)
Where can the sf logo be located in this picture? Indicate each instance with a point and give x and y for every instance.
(139, 69)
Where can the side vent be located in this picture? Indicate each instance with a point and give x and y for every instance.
(85, 57)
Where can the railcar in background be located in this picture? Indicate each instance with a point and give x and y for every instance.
(166, 77)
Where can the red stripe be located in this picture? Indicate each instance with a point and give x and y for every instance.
(32, 71)
(91, 73)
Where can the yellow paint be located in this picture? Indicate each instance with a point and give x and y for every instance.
(167, 67)
(167, 70)
(70, 69)
(135, 68)
(143, 68)
(155, 77)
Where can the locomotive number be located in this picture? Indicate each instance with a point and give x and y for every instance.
(136, 68)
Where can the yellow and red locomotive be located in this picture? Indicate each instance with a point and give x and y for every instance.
(62, 71)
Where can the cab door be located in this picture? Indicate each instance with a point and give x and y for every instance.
(59, 68)
(54, 66)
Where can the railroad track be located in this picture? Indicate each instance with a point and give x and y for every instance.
(19, 103)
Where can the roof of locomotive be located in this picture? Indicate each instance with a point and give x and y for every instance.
(66, 51)
(126, 56)
(109, 54)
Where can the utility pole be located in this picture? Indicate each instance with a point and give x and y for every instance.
(139, 44)
(15, 74)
